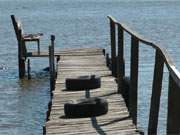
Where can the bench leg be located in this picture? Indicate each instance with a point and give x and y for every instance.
(38, 43)
(29, 69)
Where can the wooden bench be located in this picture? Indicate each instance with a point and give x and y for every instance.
(22, 38)
(25, 37)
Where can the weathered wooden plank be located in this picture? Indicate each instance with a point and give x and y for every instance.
(67, 52)
(116, 121)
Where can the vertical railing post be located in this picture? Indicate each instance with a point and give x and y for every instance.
(156, 93)
(50, 67)
(52, 43)
(51, 63)
(21, 58)
(173, 118)
(134, 78)
(113, 47)
(120, 59)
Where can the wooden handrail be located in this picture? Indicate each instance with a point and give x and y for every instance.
(169, 63)
(161, 58)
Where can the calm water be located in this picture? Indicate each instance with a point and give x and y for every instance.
(77, 23)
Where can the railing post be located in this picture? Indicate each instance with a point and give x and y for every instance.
(134, 78)
(21, 58)
(173, 118)
(156, 93)
(51, 63)
(113, 47)
(120, 59)
(52, 43)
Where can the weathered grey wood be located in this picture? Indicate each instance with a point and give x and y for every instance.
(29, 69)
(50, 68)
(51, 63)
(22, 39)
(116, 121)
(107, 60)
(120, 59)
(25, 37)
(156, 94)
(62, 53)
(21, 57)
(173, 119)
(134, 78)
(168, 61)
(38, 44)
(162, 57)
(113, 47)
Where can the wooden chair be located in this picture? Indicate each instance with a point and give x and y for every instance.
(22, 50)
(25, 37)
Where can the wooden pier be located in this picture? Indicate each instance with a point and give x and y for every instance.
(87, 62)
(115, 84)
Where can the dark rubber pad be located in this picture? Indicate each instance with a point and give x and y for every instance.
(89, 107)
(83, 83)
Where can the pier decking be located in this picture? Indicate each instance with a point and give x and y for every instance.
(86, 62)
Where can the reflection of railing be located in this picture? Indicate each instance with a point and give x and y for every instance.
(161, 58)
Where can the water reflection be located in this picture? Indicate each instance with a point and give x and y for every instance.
(24, 105)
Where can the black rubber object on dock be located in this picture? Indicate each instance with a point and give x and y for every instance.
(83, 83)
(88, 107)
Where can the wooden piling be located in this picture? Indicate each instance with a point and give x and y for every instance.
(107, 60)
(29, 69)
(38, 44)
(120, 59)
(156, 94)
(51, 63)
(134, 78)
(21, 57)
(173, 118)
(113, 47)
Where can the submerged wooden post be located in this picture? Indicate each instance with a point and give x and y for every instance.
(51, 63)
(50, 68)
(113, 47)
(156, 93)
(44, 130)
(134, 78)
(21, 57)
(120, 59)
(29, 69)
(38, 42)
(173, 119)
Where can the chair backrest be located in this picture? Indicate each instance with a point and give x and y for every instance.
(14, 22)
(19, 33)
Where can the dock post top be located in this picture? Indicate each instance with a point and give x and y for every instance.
(52, 37)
